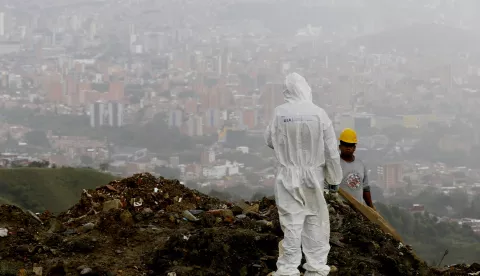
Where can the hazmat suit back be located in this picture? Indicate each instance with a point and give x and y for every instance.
(305, 145)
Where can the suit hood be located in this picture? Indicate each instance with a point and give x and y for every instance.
(297, 89)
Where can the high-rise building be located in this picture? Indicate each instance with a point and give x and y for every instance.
(97, 114)
(116, 91)
(55, 92)
(193, 126)
(191, 105)
(75, 22)
(212, 117)
(23, 31)
(207, 157)
(106, 114)
(249, 118)
(175, 118)
(224, 62)
(131, 29)
(71, 88)
(92, 32)
(390, 175)
(198, 125)
(115, 114)
(190, 126)
(271, 98)
(2, 23)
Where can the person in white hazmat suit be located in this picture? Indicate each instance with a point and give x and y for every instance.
(304, 141)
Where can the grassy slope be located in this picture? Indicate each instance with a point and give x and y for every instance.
(47, 189)
(430, 239)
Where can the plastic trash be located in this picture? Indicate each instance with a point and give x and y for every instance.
(196, 212)
(136, 202)
(34, 216)
(189, 216)
(3, 232)
(265, 222)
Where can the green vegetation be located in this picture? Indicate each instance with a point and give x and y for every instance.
(430, 238)
(155, 135)
(86, 160)
(455, 204)
(59, 124)
(37, 138)
(40, 189)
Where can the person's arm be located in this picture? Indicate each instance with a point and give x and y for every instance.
(268, 134)
(332, 156)
(367, 196)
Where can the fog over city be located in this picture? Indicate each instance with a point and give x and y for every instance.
(184, 89)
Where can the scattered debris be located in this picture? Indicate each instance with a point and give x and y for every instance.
(189, 216)
(34, 216)
(38, 270)
(144, 225)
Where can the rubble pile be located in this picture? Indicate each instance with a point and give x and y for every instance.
(144, 225)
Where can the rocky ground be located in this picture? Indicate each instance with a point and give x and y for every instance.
(147, 226)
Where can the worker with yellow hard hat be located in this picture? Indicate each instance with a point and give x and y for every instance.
(355, 173)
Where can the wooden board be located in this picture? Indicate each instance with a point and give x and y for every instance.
(371, 215)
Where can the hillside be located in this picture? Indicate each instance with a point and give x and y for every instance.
(430, 38)
(40, 189)
(144, 225)
(430, 237)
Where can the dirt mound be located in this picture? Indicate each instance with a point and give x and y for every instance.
(144, 225)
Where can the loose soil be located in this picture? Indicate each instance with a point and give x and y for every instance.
(138, 226)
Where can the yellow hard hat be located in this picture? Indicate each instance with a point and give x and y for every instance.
(348, 135)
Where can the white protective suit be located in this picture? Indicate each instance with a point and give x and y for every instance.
(305, 145)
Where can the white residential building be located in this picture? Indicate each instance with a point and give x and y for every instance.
(220, 171)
